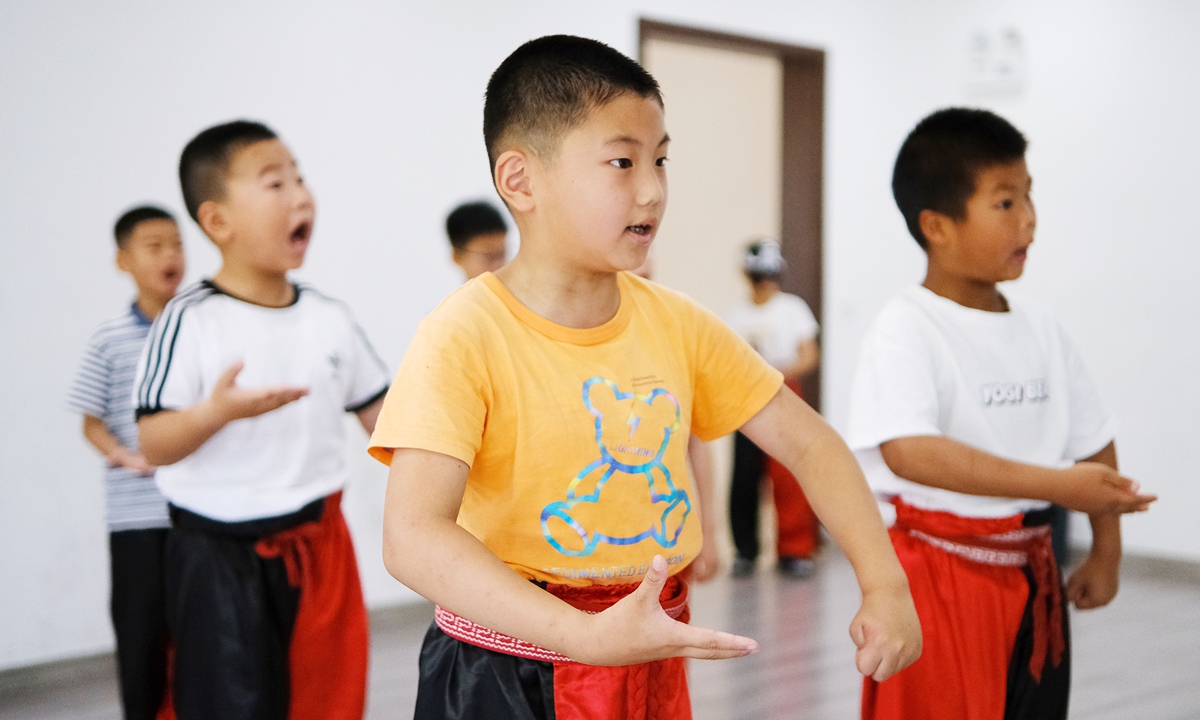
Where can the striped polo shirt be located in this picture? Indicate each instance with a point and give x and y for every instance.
(103, 388)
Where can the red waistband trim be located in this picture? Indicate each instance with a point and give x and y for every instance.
(592, 599)
(1004, 542)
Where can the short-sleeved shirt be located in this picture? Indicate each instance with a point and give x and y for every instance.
(1010, 384)
(103, 388)
(777, 328)
(275, 463)
(576, 438)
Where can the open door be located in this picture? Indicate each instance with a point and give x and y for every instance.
(749, 116)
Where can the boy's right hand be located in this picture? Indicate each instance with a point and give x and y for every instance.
(887, 632)
(122, 456)
(231, 402)
(637, 630)
(1097, 489)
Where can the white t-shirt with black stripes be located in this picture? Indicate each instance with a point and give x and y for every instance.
(278, 462)
(103, 388)
(1011, 384)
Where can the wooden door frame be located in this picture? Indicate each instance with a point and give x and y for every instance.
(802, 186)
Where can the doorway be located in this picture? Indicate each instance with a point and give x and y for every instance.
(746, 119)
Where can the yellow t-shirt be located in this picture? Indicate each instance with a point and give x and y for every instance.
(576, 439)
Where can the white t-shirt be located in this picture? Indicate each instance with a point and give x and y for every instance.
(776, 328)
(280, 461)
(1010, 384)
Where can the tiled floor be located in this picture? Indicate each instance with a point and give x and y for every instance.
(1135, 659)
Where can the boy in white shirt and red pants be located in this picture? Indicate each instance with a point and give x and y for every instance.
(972, 412)
(782, 328)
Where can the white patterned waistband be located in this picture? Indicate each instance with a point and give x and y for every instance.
(987, 555)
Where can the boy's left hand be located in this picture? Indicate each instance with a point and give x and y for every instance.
(1094, 583)
(887, 633)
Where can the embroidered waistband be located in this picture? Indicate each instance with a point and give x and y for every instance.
(988, 555)
(468, 631)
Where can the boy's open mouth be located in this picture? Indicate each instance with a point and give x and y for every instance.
(171, 274)
(643, 229)
(301, 233)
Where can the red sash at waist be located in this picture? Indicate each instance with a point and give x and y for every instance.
(592, 599)
(328, 648)
(1008, 542)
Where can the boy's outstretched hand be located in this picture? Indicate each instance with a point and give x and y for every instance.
(169, 436)
(232, 402)
(887, 633)
(637, 630)
(1096, 488)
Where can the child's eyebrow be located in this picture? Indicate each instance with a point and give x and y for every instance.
(272, 167)
(629, 140)
(1011, 186)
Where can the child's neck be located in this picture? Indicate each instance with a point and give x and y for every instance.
(563, 295)
(150, 303)
(968, 292)
(761, 293)
(269, 289)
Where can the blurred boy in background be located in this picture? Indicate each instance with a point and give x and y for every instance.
(782, 328)
(478, 238)
(150, 251)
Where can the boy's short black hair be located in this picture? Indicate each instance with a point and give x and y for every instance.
(205, 160)
(549, 85)
(131, 218)
(938, 162)
(470, 220)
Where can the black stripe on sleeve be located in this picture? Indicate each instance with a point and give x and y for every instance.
(156, 367)
(359, 406)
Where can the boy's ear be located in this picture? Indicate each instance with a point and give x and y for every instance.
(939, 230)
(122, 260)
(212, 218)
(513, 181)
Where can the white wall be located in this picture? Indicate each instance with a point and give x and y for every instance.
(381, 104)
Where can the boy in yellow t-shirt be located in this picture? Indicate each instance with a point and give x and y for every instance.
(538, 427)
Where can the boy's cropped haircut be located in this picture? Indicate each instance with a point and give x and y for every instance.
(470, 220)
(131, 218)
(205, 160)
(938, 162)
(547, 86)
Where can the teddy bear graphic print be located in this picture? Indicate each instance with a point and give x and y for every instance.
(626, 494)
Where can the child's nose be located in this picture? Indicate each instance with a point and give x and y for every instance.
(304, 197)
(652, 189)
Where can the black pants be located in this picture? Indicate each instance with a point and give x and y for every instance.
(1060, 534)
(460, 681)
(231, 613)
(1028, 699)
(139, 616)
(749, 463)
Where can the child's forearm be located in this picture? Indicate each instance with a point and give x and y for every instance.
(99, 436)
(426, 549)
(952, 465)
(1106, 527)
(169, 436)
(886, 628)
(792, 432)
(1090, 487)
